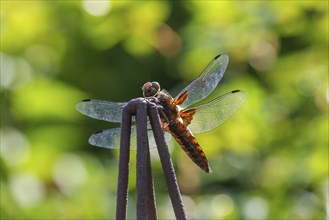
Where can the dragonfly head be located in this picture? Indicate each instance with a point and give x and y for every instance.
(150, 89)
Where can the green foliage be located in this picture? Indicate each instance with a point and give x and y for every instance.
(269, 160)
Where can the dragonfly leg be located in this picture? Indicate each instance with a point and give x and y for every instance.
(152, 99)
(164, 120)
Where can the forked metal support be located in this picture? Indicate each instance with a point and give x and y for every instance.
(146, 207)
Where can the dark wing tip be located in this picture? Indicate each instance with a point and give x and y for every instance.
(241, 93)
(86, 100)
(220, 55)
(234, 91)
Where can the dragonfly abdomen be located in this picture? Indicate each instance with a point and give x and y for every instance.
(190, 145)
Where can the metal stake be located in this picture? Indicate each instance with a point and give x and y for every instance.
(146, 208)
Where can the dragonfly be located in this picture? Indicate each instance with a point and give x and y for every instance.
(180, 118)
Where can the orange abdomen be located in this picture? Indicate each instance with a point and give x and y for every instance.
(190, 145)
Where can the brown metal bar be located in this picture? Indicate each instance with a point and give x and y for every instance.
(122, 193)
(142, 148)
(167, 166)
(152, 212)
(146, 208)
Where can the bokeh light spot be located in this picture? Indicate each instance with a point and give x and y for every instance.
(262, 55)
(256, 208)
(14, 146)
(189, 206)
(96, 8)
(69, 173)
(305, 205)
(15, 72)
(168, 41)
(28, 190)
(222, 205)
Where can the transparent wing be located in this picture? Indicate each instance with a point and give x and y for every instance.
(102, 110)
(210, 115)
(202, 86)
(110, 138)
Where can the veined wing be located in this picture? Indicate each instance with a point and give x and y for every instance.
(202, 86)
(210, 115)
(110, 138)
(102, 110)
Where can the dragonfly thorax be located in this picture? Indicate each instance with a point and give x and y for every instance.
(169, 107)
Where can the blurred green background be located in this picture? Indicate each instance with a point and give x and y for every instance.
(269, 160)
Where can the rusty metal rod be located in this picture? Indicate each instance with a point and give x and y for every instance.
(122, 193)
(167, 166)
(145, 188)
(152, 212)
(142, 148)
(146, 208)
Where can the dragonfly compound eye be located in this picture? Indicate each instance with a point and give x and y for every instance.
(150, 89)
(156, 86)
